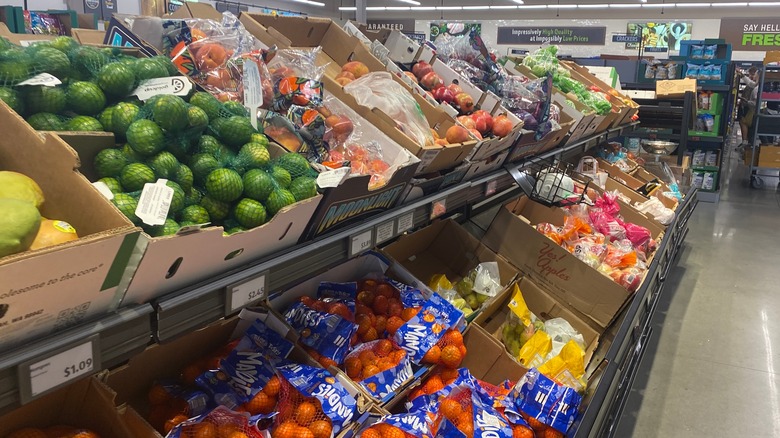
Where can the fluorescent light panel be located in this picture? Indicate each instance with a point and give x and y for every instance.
(310, 2)
(501, 7)
(764, 4)
(624, 5)
(594, 6)
(563, 6)
(398, 8)
(411, 2)
(729, 5)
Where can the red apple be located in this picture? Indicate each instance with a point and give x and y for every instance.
(464, 102)
(455, 88)
(346, 74)
(467, 122)
(483, 120)
(421, 69)
(431, 81)
(357, 68)
(343, 80)
(457, 134)
(502, 126)
(443, 94)
(476, 134)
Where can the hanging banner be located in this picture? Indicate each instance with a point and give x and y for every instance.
(659, 34)
(626, 38)
(572, 36)
(752, 34)
(108, 9)
(454, 29)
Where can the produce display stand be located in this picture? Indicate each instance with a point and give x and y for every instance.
(763, 158)
(119, 336)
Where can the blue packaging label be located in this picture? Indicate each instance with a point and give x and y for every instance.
(541, 398)
(336, 402)
(345, 292)
(425, 329)
(248, 372)
(216, 385)
(329, 335)
(413, 423)
(410, 296)
(261, 338)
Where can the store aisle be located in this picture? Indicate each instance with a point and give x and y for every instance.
(713, 364)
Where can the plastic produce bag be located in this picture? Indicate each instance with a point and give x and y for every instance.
(567, 366)
(658, 210)
(380, 367)
(379, 90)
(220, 418)
(543, 403)
(520, 325)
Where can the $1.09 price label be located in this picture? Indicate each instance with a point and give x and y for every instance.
(61, 368)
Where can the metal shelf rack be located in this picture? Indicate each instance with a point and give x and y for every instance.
(763, 125)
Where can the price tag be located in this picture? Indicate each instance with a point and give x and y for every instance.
(39, 376)
(176, 85)
(490, 187)
(438, 208)
(253, 91)
(44, 79)
(405, 222)
(332, 178)
(361, 242)
(247, 292)
(385, 232)
(103, 189)
(154, 203)
(426, 158)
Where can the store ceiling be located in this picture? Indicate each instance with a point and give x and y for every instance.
(529, 5)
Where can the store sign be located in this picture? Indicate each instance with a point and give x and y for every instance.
(573, 36)
(656, 49)
(626, 38)
(418, 37)
(108, 8)
(399, 24)
(752, 34)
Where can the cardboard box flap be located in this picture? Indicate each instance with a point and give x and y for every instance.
(487, 359)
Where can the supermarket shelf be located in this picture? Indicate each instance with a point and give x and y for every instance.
(705, 139)
(651, 86)
(655, 136)
(115, 339)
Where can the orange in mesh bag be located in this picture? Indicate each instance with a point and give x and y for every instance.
(458, 409)
(299, 416)
(219, 423)
(448, 352)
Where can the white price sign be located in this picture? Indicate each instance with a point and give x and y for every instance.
(361, 242)
(405, 222)
(44, 375)
(384, 232)
(242, 294)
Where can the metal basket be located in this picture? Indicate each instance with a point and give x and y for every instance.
(551, 183)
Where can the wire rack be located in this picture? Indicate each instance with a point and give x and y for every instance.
(552, 183)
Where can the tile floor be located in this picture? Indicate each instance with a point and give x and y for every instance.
(712, 368)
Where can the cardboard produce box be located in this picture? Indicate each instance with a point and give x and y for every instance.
(570, 280)
(338, 48)
(545, 307)
(769, 156)
(620, 111)
(446, 248)
(527, 145)
(674, 88)
(49, 289)
(370, 265)
(622, 99)
(87, 403)
(172, 262)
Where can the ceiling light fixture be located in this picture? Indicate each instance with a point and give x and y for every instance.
(375, 8)
(519, 2)
(594, 6)
(423, 8)
(624, 5)
(658, 5)
(347, 8)
(764, 4)
(476, 8)
(310, 2)
(562, 6)
(532, 7)
(411, 2)
(398, 8)
(694, 5)
(449, 8)
(729, 5)
(502, 7)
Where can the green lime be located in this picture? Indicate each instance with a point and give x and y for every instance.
(83, 123)
(116, 80)
(207, 103)
(177, 202)
(87, 61)
(183, 176)
(187, 224)
(123, 115)
(224, 185)
(259, 138)
(85, 98)
(132, 156)
(135, 175)
(46, 122)
(278, 199)
(167, 64)
(195, 214)
(164, 165)
(15, 66)
(193, 197)
(145, 137)
(106, 119)
(11, 98)
(209, 145)
(294, 163)
(197, 119)
(303, 187)
(53, 61)
(249, 213)
(149, 68)
(127, 205)
(40, 99)
(217, 210)
(169, 228)
(109, 163)
(202, 165)
(236, 108)
(233, 230)
(253, 156)
(258, 184)
(282, 176)
(113, 184)
(64, 44)
(236, 131)
(168, 111)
